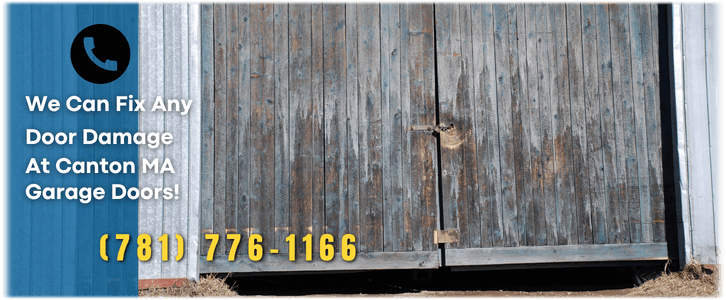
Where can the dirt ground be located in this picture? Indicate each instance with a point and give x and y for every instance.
(585, 281)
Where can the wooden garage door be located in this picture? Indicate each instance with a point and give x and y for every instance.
(305, 131)
(311, 125)
(555, 155)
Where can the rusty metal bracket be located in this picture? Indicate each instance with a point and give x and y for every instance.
(446, 236)
(440, 128)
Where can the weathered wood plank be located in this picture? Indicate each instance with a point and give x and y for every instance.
(243, 128)
(651, 86)
(386, 130)
(336, 199)
(638, 68)
(616, 234)
(419, 104)
(353, 150)
(487, 134)
(559, 254)
(220, 123)
(195, 138)
(537, 233)
(392, 130)
(282, 128)
(233, 90)
(625, 127)
(207, 107)
(451, 78)
(369, 80)
(425, 94)
(363, 261)
(592, 99)
(525, 209)
(318, 200)
(406, 167)
(394, 111)
(564, 183)
(579, 125)
(262, 173)
(466, 116)
(301, 121)
(479, 89)
(545, 57)
(450, 69)
(502, 14)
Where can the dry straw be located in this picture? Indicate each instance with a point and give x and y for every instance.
(207, 286)
(694, 281)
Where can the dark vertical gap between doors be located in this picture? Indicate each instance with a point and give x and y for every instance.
(439, 180)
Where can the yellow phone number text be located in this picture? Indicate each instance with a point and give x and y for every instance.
(255, 250)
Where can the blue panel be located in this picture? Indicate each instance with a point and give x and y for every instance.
(54, 244)
(45, 266)
(69, 255)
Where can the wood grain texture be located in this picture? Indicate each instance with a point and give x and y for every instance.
(466, 116)
(363, 261)
(525, 209)
(233, 43)
(318, 200)
(369, 134)
(484, 89)
(543, 151)
(506, 125)
(616, 233)
(637, 62)
(561, 254)
(207, 106)
(262, 97)
(282, 128)
(593, 122)
(545, 61)
(336, 196)
(392, 128)
(564, 181)
(537, 235)
(419, 107)
(301, 120)
(244, 133)
(220, 124)
(352, 122)
(406, 155)
(452, 81)
(623, 93)
(579, 125)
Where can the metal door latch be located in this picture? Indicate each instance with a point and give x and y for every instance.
(440, 128)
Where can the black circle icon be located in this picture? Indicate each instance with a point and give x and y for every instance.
(100, 53)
